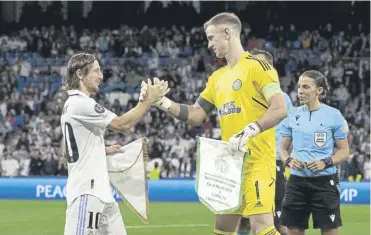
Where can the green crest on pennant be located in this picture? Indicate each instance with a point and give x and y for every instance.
(237, 84)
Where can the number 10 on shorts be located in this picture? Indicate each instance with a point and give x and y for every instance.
(91, 220)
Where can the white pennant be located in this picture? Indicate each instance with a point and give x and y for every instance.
(128, 174)
(219, 175)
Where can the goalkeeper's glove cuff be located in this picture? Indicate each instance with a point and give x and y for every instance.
(164, 104)
(253, 129)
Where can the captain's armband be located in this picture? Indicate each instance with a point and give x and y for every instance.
(270, 89)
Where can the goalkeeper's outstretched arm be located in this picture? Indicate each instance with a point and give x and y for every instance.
(192, 114)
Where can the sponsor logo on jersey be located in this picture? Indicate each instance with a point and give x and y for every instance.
(228, 108)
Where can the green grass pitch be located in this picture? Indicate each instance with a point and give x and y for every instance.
(47, 218)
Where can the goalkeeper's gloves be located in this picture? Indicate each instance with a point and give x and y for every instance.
(164, 104)
(238, 141)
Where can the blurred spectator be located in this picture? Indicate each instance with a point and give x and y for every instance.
(62, 166)
(50, 165)
(9, 165)
(155, 173)
(341, 95)
(36, 163)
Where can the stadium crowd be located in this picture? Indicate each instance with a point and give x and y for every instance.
(33, 61)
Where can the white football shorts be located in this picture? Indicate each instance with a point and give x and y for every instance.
(88, 215)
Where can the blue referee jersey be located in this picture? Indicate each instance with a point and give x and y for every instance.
(279, 125)
(314, 134)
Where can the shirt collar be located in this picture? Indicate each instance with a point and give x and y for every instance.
(76, 92)
(305, 107)
(244, 55)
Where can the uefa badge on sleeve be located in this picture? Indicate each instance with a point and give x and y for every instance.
(99, 108)
(237, 84)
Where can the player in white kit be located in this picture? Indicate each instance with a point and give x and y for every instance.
(91, 208)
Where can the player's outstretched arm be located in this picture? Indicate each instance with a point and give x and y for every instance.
(191, 114)
(126, 121)
(153, 93)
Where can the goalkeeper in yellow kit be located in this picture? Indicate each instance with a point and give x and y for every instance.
(249, 102)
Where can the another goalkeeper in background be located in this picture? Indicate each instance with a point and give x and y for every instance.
(249, 101)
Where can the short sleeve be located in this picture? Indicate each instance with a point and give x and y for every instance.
(87, 111)
(341, 128)
(207, 93)
(288, 101)
(286, 130)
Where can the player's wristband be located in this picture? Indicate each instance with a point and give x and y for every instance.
(328, 162)
(163, 104)
(288, 161)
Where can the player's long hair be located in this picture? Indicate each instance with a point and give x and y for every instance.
(79, 63)
(320, 80)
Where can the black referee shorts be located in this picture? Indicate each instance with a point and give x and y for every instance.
(280, 192)
(317, 195)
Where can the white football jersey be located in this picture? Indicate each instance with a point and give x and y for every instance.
(83, 122)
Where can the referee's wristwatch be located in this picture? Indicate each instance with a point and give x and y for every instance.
(288, 161)
(328, 162)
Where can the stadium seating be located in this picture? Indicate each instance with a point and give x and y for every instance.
(344, 58)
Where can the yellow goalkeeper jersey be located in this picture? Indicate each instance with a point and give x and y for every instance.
(236, 92)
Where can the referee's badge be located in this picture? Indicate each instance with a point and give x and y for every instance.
(237, 84)
(320, 138)
(98, 108)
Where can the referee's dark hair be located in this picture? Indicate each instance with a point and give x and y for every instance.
(268, 56)
(79, 65)
(319, 79)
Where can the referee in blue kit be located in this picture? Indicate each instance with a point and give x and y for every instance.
(314, 130)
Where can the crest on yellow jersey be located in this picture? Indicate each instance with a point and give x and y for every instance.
(237, 84)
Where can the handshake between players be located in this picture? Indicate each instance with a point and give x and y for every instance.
(153, 94)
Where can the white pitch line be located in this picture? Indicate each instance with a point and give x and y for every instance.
(168, 226)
